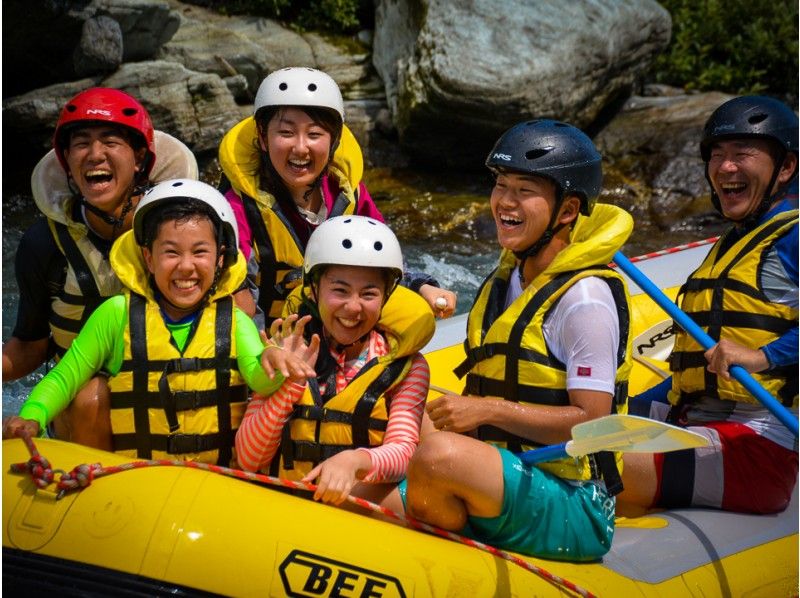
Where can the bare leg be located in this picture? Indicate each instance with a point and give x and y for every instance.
(386, 495)
(640, 482)
(451, 477)
(87, 420)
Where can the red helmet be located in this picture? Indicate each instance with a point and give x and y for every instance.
(105, 105)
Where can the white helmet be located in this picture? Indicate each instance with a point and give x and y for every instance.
(299, 86)
(353, 241)
(177, 189)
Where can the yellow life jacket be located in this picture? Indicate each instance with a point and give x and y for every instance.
(725, 298)
(507, 356)
(278, 249)
(356, 417)
(168, 404)
(89, 277)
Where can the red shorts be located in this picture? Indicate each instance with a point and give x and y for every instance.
(740, 471)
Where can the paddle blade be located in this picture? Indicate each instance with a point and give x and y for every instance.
(631, 434)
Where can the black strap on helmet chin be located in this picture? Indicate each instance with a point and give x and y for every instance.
(751, 220)
(547, 236)
(114, 222)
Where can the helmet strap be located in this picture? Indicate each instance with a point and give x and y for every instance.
(552, 230)
(113, 221)
(213, 288)
(752, 219)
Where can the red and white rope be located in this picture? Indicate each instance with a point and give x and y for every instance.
(675, 249)
(82, 475)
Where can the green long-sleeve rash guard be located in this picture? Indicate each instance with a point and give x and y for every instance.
(100, 346)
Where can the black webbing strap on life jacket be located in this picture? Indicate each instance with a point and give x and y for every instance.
(270, 289)
(715, 318)
(603, 464)
(360, 420)
(509, 387)
(223, 331)
(179, 365)
(604, 467)
(624, 317)
(79, 265)
(141, 415)
(365, 405)
(141, 400)
(90, 297)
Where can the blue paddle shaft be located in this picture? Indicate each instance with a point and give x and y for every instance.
(546, 453)
(684, 321)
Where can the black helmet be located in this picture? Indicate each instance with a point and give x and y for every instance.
(555, 150)
(751, 116)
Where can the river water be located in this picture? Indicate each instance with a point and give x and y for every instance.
(442, 220)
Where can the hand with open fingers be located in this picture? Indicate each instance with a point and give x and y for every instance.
(335, 477)
(442, 301)
(456, 413)
(287, 351)
(726, 353)
(15, 427)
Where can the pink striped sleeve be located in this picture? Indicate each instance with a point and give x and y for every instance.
(259, 434)
(390, 460)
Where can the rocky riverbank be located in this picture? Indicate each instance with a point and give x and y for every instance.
(431, 87)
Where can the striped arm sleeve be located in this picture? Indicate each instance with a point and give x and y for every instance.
(259, 434)
(390, 460)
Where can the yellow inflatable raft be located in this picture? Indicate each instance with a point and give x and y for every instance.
(185, 532)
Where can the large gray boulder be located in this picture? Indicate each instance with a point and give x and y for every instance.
(458, 72)
(100, 47)
(249, 46)
(146, 25)
(654, 141)
(47, 41)
(197, 108)
(253, 47)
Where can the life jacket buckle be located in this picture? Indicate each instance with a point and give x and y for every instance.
(292, 280)
(186, 364)
(185, 443)
(188, 400)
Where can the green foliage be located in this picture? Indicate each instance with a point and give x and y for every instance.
(328, 16)
(737, 46)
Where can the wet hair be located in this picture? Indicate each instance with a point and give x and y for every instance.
(180, 210)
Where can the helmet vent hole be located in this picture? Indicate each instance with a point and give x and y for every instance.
(177, 183)
(378, 246)
(129, 111)
(71, 107)
(283, 87)
(312, 87)
(757, 118)
(347, 244)
(560, 125)
(535, 154)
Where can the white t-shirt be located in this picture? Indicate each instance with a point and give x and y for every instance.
(582, 331)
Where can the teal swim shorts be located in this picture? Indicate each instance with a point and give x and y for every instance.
(545, 516)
